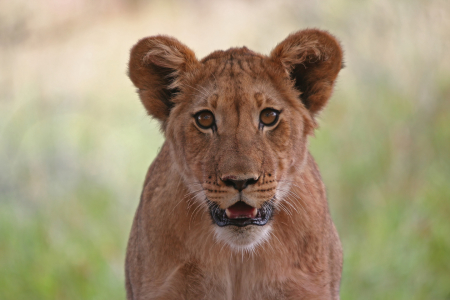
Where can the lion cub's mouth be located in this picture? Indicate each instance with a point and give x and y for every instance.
(241, 214)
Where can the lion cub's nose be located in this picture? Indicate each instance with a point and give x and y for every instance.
(239, 184)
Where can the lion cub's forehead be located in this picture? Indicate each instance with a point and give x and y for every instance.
(236, 78)
(235, 64)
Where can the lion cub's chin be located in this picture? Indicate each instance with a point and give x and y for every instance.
(243, 238)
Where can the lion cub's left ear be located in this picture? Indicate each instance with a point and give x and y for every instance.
(157, 67)
(313, 59)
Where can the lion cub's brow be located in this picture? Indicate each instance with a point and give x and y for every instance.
(252, 99)
(237, 83)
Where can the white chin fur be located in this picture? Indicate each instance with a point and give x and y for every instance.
(242, 238)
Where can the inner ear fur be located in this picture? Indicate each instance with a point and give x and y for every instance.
(156, 67)
(313, 59)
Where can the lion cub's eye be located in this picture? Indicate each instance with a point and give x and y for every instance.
(204, 119)
(269, 116)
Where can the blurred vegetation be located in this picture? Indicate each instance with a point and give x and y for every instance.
(76, 143)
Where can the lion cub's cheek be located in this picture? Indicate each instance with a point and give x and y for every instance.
(243, 238)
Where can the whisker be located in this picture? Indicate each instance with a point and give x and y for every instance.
(184, 197)
(294, 183)
(275, 236)
(289, 196)
(200, 205)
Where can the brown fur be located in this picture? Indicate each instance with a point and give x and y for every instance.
(175, 250)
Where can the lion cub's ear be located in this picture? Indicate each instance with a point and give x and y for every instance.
(313, 59)
(156, 68)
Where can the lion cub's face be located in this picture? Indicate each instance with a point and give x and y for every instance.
(236, 123)
(240, 135)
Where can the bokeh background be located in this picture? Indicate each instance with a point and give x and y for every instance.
(75, 142)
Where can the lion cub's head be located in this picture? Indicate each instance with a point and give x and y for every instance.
(237, 121)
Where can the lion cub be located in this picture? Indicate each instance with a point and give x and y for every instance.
(233, 207)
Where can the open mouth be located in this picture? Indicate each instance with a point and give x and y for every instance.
(241, 214)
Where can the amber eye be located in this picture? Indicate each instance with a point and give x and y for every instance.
(204, 119)
(269, 117)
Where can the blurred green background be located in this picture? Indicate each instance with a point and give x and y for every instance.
(75, 142)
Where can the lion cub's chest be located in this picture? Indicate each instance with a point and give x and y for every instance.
(239, 280)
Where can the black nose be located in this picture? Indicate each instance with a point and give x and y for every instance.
(239, 184)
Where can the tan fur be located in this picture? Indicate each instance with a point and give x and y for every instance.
(175, 250)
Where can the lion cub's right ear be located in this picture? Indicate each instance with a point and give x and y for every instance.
(156, 67)
(313, 59)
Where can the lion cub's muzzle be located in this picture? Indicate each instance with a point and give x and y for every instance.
(241, 214)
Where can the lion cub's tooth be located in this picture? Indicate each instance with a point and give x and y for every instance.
(254, 212)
